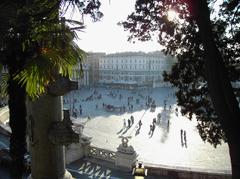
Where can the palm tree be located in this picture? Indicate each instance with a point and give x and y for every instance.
(10, 56)
(34, 43)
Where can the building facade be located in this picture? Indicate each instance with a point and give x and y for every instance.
(126, 70)
(93, 61)
(81, 75)
(89, 75)
(134, 69)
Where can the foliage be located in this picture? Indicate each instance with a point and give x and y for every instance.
(51, 58)
(180, 37)
(35, 45)
(41, 40)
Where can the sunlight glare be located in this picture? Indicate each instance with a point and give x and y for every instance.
(172, 15)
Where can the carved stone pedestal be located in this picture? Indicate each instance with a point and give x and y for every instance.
(125, 156)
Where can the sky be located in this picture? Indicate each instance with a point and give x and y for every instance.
(106, 36)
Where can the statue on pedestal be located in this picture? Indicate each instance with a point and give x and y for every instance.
(126, 155)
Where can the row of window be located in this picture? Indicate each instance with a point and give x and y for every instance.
(110, 72)
(153, 61)
(130, 78)
(130, 67)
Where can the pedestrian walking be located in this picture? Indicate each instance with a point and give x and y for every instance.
(132, 120)
(139, 124)
(181, 132)
(124, 123)
(149, 133)
(129, 123)
(168, 125)
(176, 111)
(185, 138)
(153, 127)
(80, 111)
(154, 121)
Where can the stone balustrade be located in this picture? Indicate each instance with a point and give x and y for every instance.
(102, 154)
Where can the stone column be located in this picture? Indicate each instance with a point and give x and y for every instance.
(49, 133)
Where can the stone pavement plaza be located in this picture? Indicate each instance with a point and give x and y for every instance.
(164, 146)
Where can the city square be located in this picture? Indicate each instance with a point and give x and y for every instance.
(120, 89)
(165, 146)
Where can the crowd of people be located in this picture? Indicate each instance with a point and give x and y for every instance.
(134, 100)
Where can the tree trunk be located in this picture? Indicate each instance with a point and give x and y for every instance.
(221, 92)
(17, 109)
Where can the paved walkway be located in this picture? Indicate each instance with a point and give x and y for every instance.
(85, 169)
(164, 147)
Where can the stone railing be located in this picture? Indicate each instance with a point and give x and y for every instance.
(102, 154)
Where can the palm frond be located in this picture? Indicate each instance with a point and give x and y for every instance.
(46, 45)
(40, 71)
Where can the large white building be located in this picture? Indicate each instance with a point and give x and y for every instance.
(134, 69)
(125, 70)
